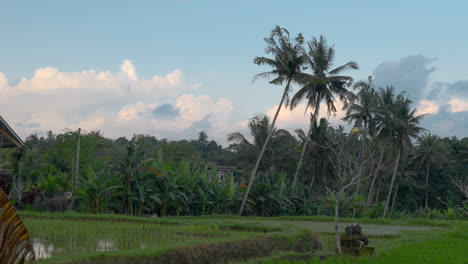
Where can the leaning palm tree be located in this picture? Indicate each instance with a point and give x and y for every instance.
(399, 124)
(288, 59)
(322, 84)
(15, 242)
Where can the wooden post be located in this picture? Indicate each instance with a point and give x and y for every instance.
(72, 169)
(77, 166)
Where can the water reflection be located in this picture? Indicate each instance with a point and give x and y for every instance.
(105, 245)
(41, 250)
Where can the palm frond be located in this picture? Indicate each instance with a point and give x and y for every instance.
(348, 66)
(15, 245)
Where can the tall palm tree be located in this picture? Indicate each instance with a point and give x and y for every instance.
(288, 59)
(364, 108)
(399, 124)
(363, 112)
(322, 84)
(129, 163)
(320, 168)
(427, 156)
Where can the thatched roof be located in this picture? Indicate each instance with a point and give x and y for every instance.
(8, 137)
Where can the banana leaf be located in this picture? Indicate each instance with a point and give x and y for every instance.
(15, 243)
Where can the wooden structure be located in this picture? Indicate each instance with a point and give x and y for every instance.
(8, 139)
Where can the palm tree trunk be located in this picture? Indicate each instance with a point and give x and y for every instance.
(377, 194)
(311, 183)
(376, 173)
(306, 141)
(394, 197)
(391, 183)
(427, 185)
(337, 210)
(270, 134)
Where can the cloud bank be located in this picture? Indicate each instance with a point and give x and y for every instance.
(117, 103)
(445, 104)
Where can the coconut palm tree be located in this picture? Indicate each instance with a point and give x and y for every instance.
(364, 108)
(248, 151)
(129, 163)
(399, 125)
(428, 155)
(363, 112)
(286, 66)
(322, 84)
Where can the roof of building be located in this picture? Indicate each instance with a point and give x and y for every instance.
(8, 137)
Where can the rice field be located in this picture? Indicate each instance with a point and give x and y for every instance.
(66, 238)
(59, 237)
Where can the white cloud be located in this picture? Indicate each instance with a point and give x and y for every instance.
(427, 107)
(121, 83)
(298, 118)
(117, 103)
(457, 105)
(129, 69)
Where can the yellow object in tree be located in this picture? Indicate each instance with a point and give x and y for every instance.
(355, 130)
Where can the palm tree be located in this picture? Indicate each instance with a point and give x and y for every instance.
(320, 168)
(247, 151)
(363, 112)
(323, 84)
(129, 163)
(398, 124)
(286, 64)
(427, 155)
(364, 108)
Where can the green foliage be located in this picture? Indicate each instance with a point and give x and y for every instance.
(54, 184)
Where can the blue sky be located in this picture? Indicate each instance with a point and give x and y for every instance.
(211, 45)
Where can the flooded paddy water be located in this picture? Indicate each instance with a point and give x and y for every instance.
(55, 237)
(58, 237)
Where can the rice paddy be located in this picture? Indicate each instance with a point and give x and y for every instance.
(58, 237)
(76, 238)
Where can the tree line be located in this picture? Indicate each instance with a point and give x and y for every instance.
(385, 165)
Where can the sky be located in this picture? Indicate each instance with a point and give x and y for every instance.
(173, 68)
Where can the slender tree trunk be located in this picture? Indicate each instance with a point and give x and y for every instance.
(73, 174)
(270, 134)
(397, 160)
(395, 196)
(427, 186)
(312, 183)
(16, 183)
(377, 194)
(337, 210)
(77, 166)
(306, 141)
(376, 173)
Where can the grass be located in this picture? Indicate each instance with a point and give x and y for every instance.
(435, 246)
(107, 238)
